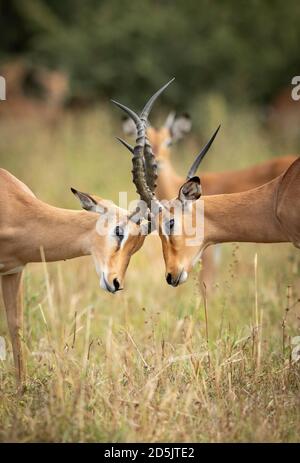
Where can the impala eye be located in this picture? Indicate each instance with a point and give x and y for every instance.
(170, 226)
(119, 232)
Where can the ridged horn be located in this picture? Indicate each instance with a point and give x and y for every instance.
(201, 155)
(150, 161)
(138, 170)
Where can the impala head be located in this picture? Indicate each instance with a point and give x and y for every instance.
(116, 236)
(181, 229)
(179, 222)
(174, 129)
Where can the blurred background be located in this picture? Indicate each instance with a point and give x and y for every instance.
(233, 61)
(233, 64)
(79, 53)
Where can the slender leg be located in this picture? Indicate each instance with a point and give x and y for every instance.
(12, 297)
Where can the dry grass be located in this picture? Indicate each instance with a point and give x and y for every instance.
(142, 365)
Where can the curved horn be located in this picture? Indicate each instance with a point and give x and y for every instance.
(150, 165)
(128, 111)
(144, 177)
(138, 159)
(128, 146)
(148, 106)
(150, 161)
(201, 155)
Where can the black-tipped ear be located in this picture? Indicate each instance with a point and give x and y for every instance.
(191, 190)
(87, 202)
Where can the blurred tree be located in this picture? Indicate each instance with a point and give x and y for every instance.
(246, 50)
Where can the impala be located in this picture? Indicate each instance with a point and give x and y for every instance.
(266, 214)
(169, 182)
(33, 231)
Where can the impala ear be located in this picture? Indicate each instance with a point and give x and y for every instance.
(191, 190)
(181, 126)
(88, 203)
(129, 127)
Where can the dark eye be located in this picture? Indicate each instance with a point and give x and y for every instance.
(170, 226)
(119, 232)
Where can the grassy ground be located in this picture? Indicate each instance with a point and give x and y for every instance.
(144, 365)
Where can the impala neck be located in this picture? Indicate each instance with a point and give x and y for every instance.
(243, 217)
(63, 234)
(168, 182)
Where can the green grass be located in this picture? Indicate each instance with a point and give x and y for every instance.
(141, 365)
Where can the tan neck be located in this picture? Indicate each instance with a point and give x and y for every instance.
(243, 217)
(63, 234)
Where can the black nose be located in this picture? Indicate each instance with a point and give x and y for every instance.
(169, 279)
(116, 284)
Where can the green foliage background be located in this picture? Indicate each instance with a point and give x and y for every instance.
(246, 50)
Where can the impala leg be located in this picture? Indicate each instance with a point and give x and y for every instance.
(12, 297)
